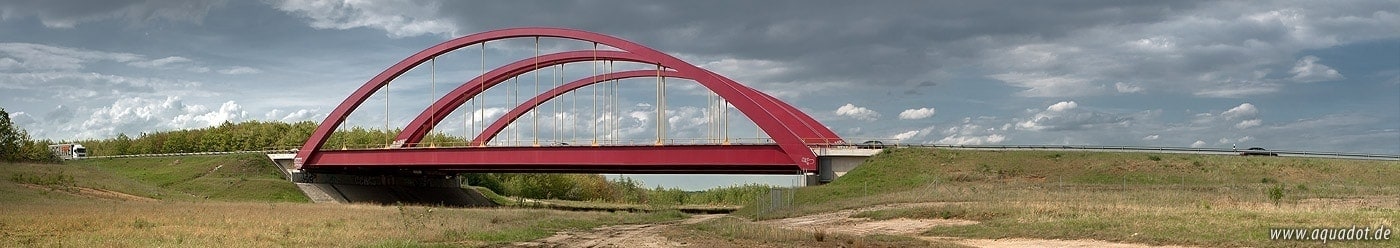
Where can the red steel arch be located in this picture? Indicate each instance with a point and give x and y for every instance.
(500, 124)
(811, 133)
(519, 111)
(758, 107)
(434, 114)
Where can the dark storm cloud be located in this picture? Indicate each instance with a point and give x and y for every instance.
(882, 43)
(69, 13)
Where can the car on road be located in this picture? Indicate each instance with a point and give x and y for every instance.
(871, 144)
(1257, 151)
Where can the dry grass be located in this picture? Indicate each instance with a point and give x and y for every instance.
(1163, 199)
(220, 224)
(735, 232)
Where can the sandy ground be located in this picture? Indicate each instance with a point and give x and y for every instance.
(95, 193)
(842, 222)
(647, 235)
(1029, 243)
(833, 222)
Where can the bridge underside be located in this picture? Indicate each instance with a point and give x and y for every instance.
(632, 159)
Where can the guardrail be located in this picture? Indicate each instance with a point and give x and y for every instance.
(1159, 149)
(1217, 151)
(190, 154)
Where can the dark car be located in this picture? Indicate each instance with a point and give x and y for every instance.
(872, 144)
(1257, 151)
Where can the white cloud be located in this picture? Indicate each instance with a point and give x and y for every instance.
(1062, 106)
(1214, 50)
(973, 140)
(1307, 70)
(1198, 144)
(859, 113)
(39, 57)
(918, 113)
(1248, 123)
(1043, 85)
(1151, 137)
(237, 70)
(905, 135)
(1066, 115)
(64, 15)
(196, 115)
(400, 18)
(299, 115)
(970, 133)
(137, 114)
(1127, 87)
(1245, 110)
(1245, 139)
(160, 63)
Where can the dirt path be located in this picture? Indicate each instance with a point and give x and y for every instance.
(1029, 243)
(91, 192)
(842, 222)
(645, 235)
(649, 235)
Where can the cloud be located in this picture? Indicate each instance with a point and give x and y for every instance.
(1043, 85)
(399, 18)
(238, 70)
(1151, 137)
(972, 131)
(135, 115)
(858, 113)
(1127, 87)
(1066, 115)
(915, 114)
(905, 135)
(1198, 144)
(40, 57)
(1248, 123)
(196, 116)
(1062, 106)
(1307, 70)
(1244, 110)
(68, 14)
(160, 63)
(294, 116)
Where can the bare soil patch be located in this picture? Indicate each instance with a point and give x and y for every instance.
(94, 193)
(1031, 243)
(645, 235)
(842, 222)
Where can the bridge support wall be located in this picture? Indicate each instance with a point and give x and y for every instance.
(380, 188)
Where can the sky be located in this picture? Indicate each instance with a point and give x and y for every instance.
(1284, 75)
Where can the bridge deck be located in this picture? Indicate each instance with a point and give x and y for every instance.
(667, 159)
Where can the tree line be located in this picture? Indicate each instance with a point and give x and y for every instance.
(273, 135)
(16, 146)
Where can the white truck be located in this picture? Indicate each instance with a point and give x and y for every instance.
(68, 151)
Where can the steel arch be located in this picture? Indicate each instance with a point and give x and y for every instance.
(500, 124)
(416, 130)
(764, 113)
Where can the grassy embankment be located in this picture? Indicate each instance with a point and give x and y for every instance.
(239, 200)
(1160, 199)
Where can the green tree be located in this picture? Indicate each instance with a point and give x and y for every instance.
(11, 137)
(15, 145)
(121, 146)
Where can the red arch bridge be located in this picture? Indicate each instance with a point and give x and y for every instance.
(797, 139)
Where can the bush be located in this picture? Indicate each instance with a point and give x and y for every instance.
(1276, 194)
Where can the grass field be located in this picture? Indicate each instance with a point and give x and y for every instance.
(240, 200)
(1160, 199)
